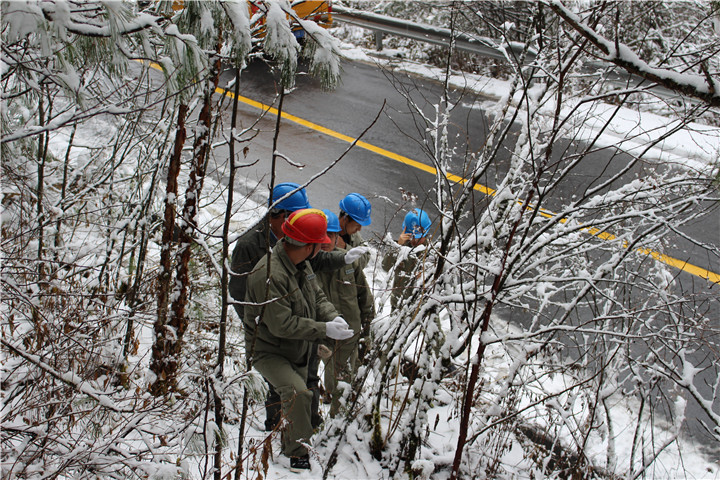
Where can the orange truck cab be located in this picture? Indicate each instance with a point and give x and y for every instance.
(319, 11)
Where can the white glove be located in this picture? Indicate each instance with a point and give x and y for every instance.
(338, 329)
(355, 253)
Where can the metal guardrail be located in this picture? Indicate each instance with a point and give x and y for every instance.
(483, 46)
(427, 33)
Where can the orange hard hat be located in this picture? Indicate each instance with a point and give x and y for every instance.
(308, 225)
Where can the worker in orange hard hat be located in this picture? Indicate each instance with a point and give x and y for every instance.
(285, 198)
(286, 313)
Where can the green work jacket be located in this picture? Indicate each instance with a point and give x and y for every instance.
(296, 315)
(252, 246)
(402, 261)
(347, 289)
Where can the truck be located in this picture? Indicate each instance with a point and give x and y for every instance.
(319, 11)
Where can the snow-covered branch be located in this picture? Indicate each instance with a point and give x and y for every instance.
(70, 378)
(704, 87)
(59, 12)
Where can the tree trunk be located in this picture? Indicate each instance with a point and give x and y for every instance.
(224, 280)
(469, 398)
(63, 191)
(42, 156)
(177, 320)
(158, 363)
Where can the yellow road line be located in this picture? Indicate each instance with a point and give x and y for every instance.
(673, 262)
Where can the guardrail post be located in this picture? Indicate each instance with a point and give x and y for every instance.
(378, 40)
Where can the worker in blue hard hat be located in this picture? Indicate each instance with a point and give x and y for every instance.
(415, 229)
(405, 261)
(354, 214)
(416, 226)
(255, 243)
(347, 289)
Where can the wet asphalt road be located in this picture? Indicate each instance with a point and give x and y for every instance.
(353, 106)
(393, 187)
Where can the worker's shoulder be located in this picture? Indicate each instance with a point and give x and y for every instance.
(255, 236)
(258, 274)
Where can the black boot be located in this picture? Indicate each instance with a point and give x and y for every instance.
(300, 464)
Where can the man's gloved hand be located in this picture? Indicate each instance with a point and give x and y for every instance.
(355, 253)
(338, 329)
(404, 238)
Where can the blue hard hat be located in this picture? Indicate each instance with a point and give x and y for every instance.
(357, 207)
(296, 201)
(417, 222)
(332, 221)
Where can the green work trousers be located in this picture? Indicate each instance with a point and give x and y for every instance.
(289, 380)
(341, 367)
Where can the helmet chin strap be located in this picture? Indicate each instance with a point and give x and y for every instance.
(313, 252)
